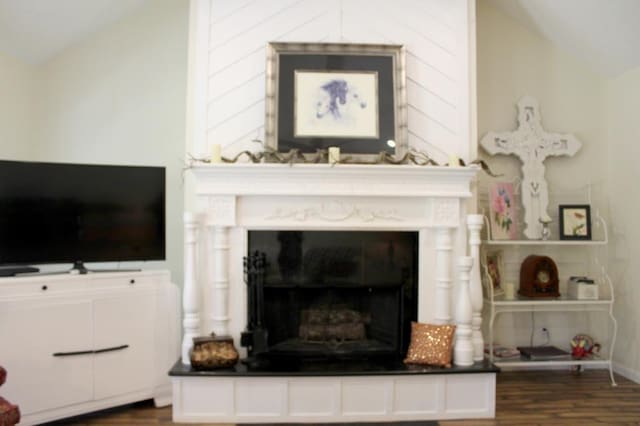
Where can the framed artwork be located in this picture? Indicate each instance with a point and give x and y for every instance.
(351, 96)
(502, 211)
(575, 221)
(493, 266)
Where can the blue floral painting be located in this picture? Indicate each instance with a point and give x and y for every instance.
(336, 104)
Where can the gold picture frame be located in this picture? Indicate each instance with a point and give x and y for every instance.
(493, 271)
(352, 96)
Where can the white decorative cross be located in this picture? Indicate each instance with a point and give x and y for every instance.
(532, 145)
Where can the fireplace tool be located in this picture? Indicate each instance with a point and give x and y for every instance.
(254, 338)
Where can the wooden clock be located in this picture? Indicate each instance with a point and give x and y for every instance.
(539, 277)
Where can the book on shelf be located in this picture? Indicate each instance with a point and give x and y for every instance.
(500, 351)
(543, 353)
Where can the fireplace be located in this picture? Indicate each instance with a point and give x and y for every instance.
(330, 295)
(366, 247)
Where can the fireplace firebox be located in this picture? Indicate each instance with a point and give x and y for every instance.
(330, 295)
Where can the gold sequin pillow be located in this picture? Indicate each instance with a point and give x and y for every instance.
(430, 344)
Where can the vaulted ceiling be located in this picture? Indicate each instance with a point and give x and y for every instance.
(36, 30)
(605, 34)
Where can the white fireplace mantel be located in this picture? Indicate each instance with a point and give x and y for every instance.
(334, 180)
(342, 196)
(232, 199)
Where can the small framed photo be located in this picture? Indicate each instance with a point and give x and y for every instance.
(493, 270)
(575, 222)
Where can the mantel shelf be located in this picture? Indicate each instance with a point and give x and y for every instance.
(379, 180)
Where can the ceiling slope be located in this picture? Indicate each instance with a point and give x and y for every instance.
(36, 30)
(603, 33)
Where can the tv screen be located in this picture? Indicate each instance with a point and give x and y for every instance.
(58, 213)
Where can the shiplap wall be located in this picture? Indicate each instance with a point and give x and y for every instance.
(227, 76)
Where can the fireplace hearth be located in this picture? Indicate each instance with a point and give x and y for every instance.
(330, 295)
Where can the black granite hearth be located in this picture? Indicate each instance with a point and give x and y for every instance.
(327, 368)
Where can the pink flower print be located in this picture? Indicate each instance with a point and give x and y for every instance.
(499, 205)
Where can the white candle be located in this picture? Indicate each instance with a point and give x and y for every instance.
(509, 291)
(454, 161)
(216, 153)
(334, 154)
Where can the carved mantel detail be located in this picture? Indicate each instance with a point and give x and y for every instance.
(335, 211)
(446, 212)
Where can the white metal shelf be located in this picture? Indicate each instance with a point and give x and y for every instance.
(599, 223)
(497, 304)
(522, 362)
(545, 242)
(497, 307)
(554, 301)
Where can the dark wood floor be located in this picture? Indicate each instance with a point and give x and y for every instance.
(557, 397)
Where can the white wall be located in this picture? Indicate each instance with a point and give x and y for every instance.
(118, 97)
(623, 139)
(16, 102)
(513, 62)
(229, 63)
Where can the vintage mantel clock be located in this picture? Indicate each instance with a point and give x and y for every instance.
(539, 277)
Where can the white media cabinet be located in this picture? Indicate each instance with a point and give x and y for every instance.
(73, 344)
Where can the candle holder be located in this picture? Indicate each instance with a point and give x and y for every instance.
(545, 232)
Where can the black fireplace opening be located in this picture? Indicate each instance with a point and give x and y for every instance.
(330, 295)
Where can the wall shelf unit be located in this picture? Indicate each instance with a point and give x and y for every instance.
(587, 252)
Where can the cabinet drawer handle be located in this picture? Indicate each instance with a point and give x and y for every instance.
(97, 351)
(115, 348)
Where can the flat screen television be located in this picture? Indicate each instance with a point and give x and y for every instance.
(61, 212)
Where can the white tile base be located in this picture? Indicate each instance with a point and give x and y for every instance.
(333, 399)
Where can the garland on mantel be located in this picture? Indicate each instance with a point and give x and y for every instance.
(294, 156)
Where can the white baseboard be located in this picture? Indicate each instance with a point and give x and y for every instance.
(630, 374)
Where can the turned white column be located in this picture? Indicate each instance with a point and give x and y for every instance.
(219, 279)
(442, 312)
(463, 350)
(190, 299)
(221, 216)
(474, 225)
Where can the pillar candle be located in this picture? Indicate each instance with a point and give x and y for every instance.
(334, 154)
(216, 153)
(509, 291)
(454, 161)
